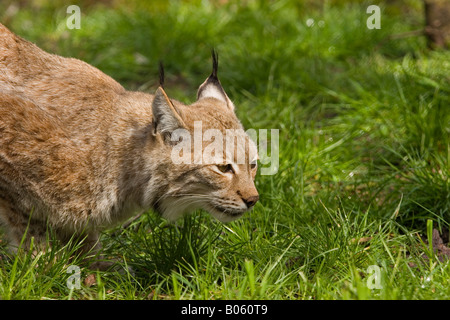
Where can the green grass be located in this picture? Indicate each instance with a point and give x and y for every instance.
(364, 124)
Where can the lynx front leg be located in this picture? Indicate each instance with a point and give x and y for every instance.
(94, 257)
(91, 250)
(19, 227)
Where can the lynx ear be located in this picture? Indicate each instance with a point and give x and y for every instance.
(212, 88)
(165, 115)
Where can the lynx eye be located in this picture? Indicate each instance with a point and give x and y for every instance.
(253, 165)
(225, 168)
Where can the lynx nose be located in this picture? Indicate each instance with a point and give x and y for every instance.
(250, 201)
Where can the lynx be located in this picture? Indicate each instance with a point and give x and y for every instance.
(79, 153)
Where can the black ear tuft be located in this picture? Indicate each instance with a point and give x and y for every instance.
(161, 74)
(215, 61)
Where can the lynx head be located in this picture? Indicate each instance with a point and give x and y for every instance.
(212, 159)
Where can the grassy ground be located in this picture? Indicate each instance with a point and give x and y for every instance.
(364, 120)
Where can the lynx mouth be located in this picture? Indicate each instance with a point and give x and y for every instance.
(226, 214)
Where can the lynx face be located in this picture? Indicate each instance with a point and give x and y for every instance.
(233, 180)
(225, 190)
(219, 159)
